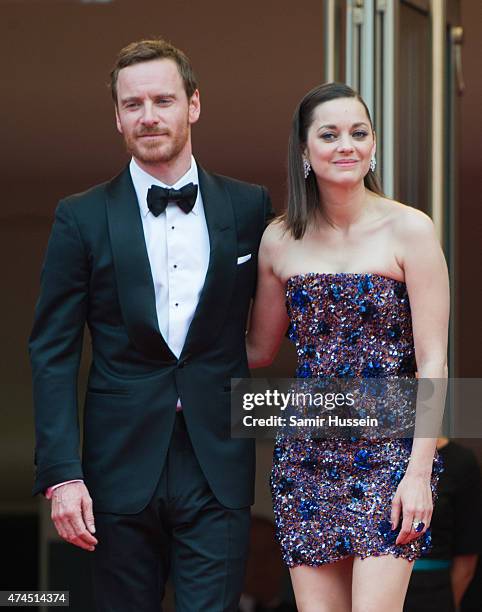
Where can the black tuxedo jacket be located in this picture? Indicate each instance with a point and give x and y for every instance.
(96, 271)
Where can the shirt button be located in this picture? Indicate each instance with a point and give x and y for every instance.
(172, 226)
(175, 266)
(176, 304)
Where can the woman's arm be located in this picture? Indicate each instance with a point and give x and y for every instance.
(427, 282)
(426, 278)
(269, 319)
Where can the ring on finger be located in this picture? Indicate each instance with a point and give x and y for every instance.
(418, 525)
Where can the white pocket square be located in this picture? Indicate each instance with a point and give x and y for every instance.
(244, 258)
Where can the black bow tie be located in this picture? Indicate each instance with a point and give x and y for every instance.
(159, 197)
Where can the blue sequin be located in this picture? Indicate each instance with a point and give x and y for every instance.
(300, 299)
(297, 556)
(373, 369)
(307, 509)
(345, 370)
(358, 490)
(426, 542)
(396, 476)
(367, 309)
(332, 473)
(323, 328)
(362, 459)
(388, 534)
(394, 332)
(335, 292)
(439, 466)
(310, 351)
(285, 484)
(343, 545)
(304, 371)
(365, 285)
(292, 332)
(308, 463)
(354, 336)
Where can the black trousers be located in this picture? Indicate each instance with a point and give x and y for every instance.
(430, 591)
(184, 532)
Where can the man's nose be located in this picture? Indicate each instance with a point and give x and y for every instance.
(149, 116)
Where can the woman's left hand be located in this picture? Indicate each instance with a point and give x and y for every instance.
(413, 502)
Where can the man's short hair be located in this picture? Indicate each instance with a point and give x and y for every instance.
(148, 50)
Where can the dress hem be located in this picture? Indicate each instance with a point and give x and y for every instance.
(356, 554)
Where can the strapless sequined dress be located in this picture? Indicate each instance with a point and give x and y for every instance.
(332, 497)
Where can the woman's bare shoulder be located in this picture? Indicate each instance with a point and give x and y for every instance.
(276, 234)
(407, 221)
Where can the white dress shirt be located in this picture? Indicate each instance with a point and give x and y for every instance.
(178, 250)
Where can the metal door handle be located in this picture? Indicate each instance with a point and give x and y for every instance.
(457, 38)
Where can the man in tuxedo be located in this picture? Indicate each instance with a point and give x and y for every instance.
(160, 263)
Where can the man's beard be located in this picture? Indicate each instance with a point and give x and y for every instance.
(160, 151)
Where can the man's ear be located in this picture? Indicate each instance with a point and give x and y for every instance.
(194, 107)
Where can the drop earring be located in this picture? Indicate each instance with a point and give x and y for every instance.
(306, 167)
(373, 164)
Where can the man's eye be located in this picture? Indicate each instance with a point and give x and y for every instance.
(132, 105)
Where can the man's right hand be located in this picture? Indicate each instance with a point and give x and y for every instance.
(72, 515)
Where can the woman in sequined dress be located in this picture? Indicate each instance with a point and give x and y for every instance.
(362, 282)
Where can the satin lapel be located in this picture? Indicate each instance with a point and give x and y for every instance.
(220, 277)
(132, 269)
